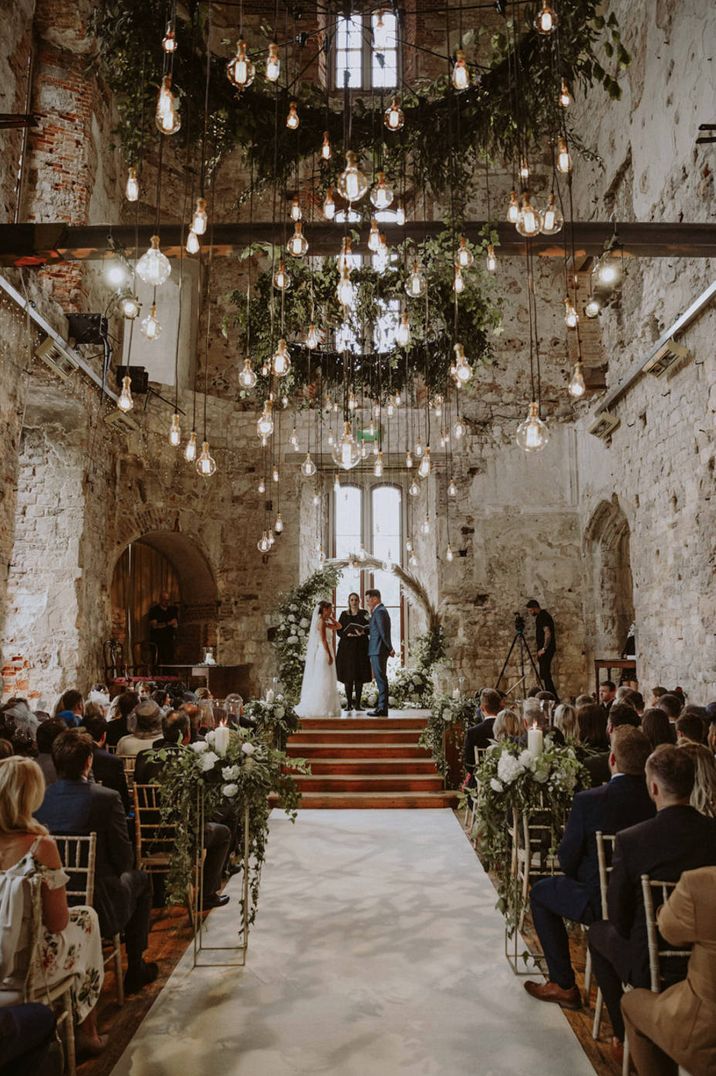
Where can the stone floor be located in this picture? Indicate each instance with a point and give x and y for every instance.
(377, 950)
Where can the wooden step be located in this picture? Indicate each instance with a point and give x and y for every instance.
(341, 735)
(356, 750)
(351, 723)
(377, 800)
(387, 782)
(371, 765)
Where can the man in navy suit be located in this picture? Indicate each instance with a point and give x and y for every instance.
(380, 648)
(623, 801)
(75, 806)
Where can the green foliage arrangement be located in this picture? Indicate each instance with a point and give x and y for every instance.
(275, 720)
(500, 115)
(448, 716)
(511, 779)
(244, 776)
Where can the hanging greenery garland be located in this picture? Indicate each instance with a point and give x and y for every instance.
(491, 119)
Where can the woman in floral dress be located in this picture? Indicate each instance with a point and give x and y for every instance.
(70, 947)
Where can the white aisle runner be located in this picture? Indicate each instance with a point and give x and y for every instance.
(377, 950)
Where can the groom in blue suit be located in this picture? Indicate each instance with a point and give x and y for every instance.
(380, 648)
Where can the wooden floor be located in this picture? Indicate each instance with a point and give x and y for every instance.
(171, 934)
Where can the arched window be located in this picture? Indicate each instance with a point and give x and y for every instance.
(366, 51)
(371, 517)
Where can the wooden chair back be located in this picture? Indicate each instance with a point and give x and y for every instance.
(605, 853)
(115, 665)
(129, 763)
(154, 839)
(658, 950)
(78, 856)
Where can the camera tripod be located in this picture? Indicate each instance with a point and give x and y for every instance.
(524, 649)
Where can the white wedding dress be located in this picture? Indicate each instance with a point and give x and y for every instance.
(319, 690)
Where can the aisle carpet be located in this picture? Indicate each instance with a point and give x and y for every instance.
(377, 951)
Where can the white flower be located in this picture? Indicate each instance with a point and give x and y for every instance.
(304, 622)
(291, 618)
(200, 746)
(292, 639)
(279, 712)
(293, 608)
(527, 759)
(496, 785)
(230, 773)
(447, 716)
(210, 736)
(207, 760)
(248, 748)
(509, 768)
(229, 790)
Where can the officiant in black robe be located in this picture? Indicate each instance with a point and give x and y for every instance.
(352, 661)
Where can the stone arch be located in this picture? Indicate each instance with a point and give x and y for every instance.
(609, 601)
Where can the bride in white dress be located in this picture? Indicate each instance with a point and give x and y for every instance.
(319, 691)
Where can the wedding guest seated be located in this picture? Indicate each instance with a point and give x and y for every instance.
(480, 735)
(592, 725)
(148, 728)
(607, 695)
(26, 1033)
(597, 765)
(583, 700)
(565, 720)
(193, 712)
(656, 727)
(507, 726)
(74, 805)
(70, 942)
(678, 1027)
(671, 704)
(47, 733)
(691, 728)
(656, 694)
(106, 769)
(677, 839)
(161, 697)
(533, 714)
(24, 721)
(119, 717)
(703, 795)
(70, 707)
(611, 807)
(217, 837)
(635, 699)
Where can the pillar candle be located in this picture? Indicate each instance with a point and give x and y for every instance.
(535, 741)
(270, 695)
(222, 735)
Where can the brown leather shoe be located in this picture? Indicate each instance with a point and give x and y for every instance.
(568, 999)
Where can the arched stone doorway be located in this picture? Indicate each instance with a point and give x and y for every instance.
(609, 598)
(165, 560)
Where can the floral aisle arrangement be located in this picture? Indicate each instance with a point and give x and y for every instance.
(235, 769)
(448, 717)
(511, 778)
(275, 719)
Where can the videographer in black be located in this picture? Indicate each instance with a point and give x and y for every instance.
(546, 639)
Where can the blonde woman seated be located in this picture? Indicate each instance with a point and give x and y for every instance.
(703, 795)
(507, 726)
(565, 719)
(70, 946)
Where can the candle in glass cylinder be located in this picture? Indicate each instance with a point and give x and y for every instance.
(222, 735)
(270, 695)
(535, 740)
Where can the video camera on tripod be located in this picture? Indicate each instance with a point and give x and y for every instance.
(519, 624)
(523, 653)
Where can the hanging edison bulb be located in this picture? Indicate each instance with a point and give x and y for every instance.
(192, 243)
(565, 97)
(552, 219)
(281, 278)
(394, 117)
(352, 184)
(382, 194)
(345, 290)
(425, 526)
(153, 267)
(409, 459)
(264, 423)
(374, 236)
(381, 35)
(273, 63)
(399, 215)
(425, 465)
(247, 376)
(513, 210)
(490, 259)
(546, 21)
(408, 545)
(240, 71)
(419, 449)
(329, 206)
(532, 432)
(564, 157)
(131, 191)
(390, 407)
(190, 448)
(275, 476)
(571, 317)
(297, 245)
(125, 402)
(458, 283)
(345, 258)
(592, 307)
(402, 333)
(206, 464)
(463, 370)
(460, 76)
(261, 488)
(346, 453)
(281, 360)
(464, 259)
(529, 221)
(308, 467)
(129, 305)
(452, 488)
(264, 543)
(200, 219)
(378, 466)
(326, 151)
(449, 555)
(169, 41)
(352, 402)
(149, 325)
(313, 337)
(175, 432)
(293, 119)
(608, 270)
(413, 560)
(167, 117)
(382, 257)
(416, 285)
(278, 525)
(459, 429)
(413, 489)
(295, 212)
(577, 387)
(438, 406)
